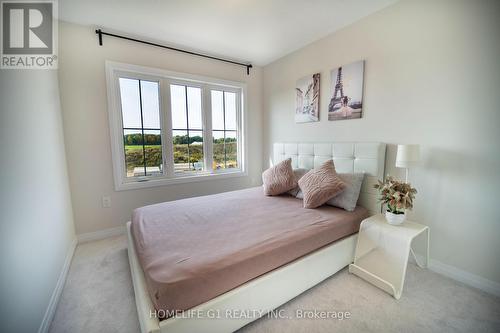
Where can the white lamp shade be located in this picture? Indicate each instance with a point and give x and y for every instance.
(407, 156)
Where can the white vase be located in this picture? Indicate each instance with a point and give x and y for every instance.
(395, 219)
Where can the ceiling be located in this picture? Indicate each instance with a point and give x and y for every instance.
(257, 31)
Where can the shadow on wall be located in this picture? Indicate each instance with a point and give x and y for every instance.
(434, 161)
(438, 168)
(438, 177)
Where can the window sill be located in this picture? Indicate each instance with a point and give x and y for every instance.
(163, 181)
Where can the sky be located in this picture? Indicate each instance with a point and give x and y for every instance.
(129, 89)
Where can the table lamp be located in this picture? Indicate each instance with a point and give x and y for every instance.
(407, 156)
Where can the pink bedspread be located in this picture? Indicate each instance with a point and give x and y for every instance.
(193, 250)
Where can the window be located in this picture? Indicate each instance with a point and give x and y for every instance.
(187, 128)
(140, 107)
(224, 130)
(169, 127)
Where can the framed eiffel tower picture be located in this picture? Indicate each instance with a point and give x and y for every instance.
(307, 97)
(346, 101)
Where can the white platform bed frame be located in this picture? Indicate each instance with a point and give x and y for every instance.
(277, 287)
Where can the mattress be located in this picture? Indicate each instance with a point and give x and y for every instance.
(195, 249)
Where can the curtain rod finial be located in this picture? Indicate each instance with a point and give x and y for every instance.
(99, 32)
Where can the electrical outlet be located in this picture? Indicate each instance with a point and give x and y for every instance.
(106, 201)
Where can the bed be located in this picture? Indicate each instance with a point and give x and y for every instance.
(210, 256)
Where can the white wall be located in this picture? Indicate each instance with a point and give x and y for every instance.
(432, 76)
(86, 128)
(36, 228)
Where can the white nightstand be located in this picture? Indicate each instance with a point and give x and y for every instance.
(382, 252)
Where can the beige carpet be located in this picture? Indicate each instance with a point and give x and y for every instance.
(98, 297)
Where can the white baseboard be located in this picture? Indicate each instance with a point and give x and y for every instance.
(56, 294)
(101, 234)
(465, 277)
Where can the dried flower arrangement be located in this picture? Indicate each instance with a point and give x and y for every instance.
(396, 194)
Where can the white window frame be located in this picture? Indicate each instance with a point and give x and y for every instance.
(115, 70)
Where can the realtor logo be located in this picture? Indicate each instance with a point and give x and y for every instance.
(29, 30)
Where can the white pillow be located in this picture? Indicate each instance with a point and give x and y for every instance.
(298, 173)
(348, 198)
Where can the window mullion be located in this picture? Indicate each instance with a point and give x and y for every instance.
(224, 120)
(167, 144)
(206, 113)
(239, 131)
(187, 125)
(142, 130)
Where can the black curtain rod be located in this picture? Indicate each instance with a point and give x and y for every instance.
(99, 32)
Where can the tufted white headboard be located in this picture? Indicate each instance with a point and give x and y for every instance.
(349, 157)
